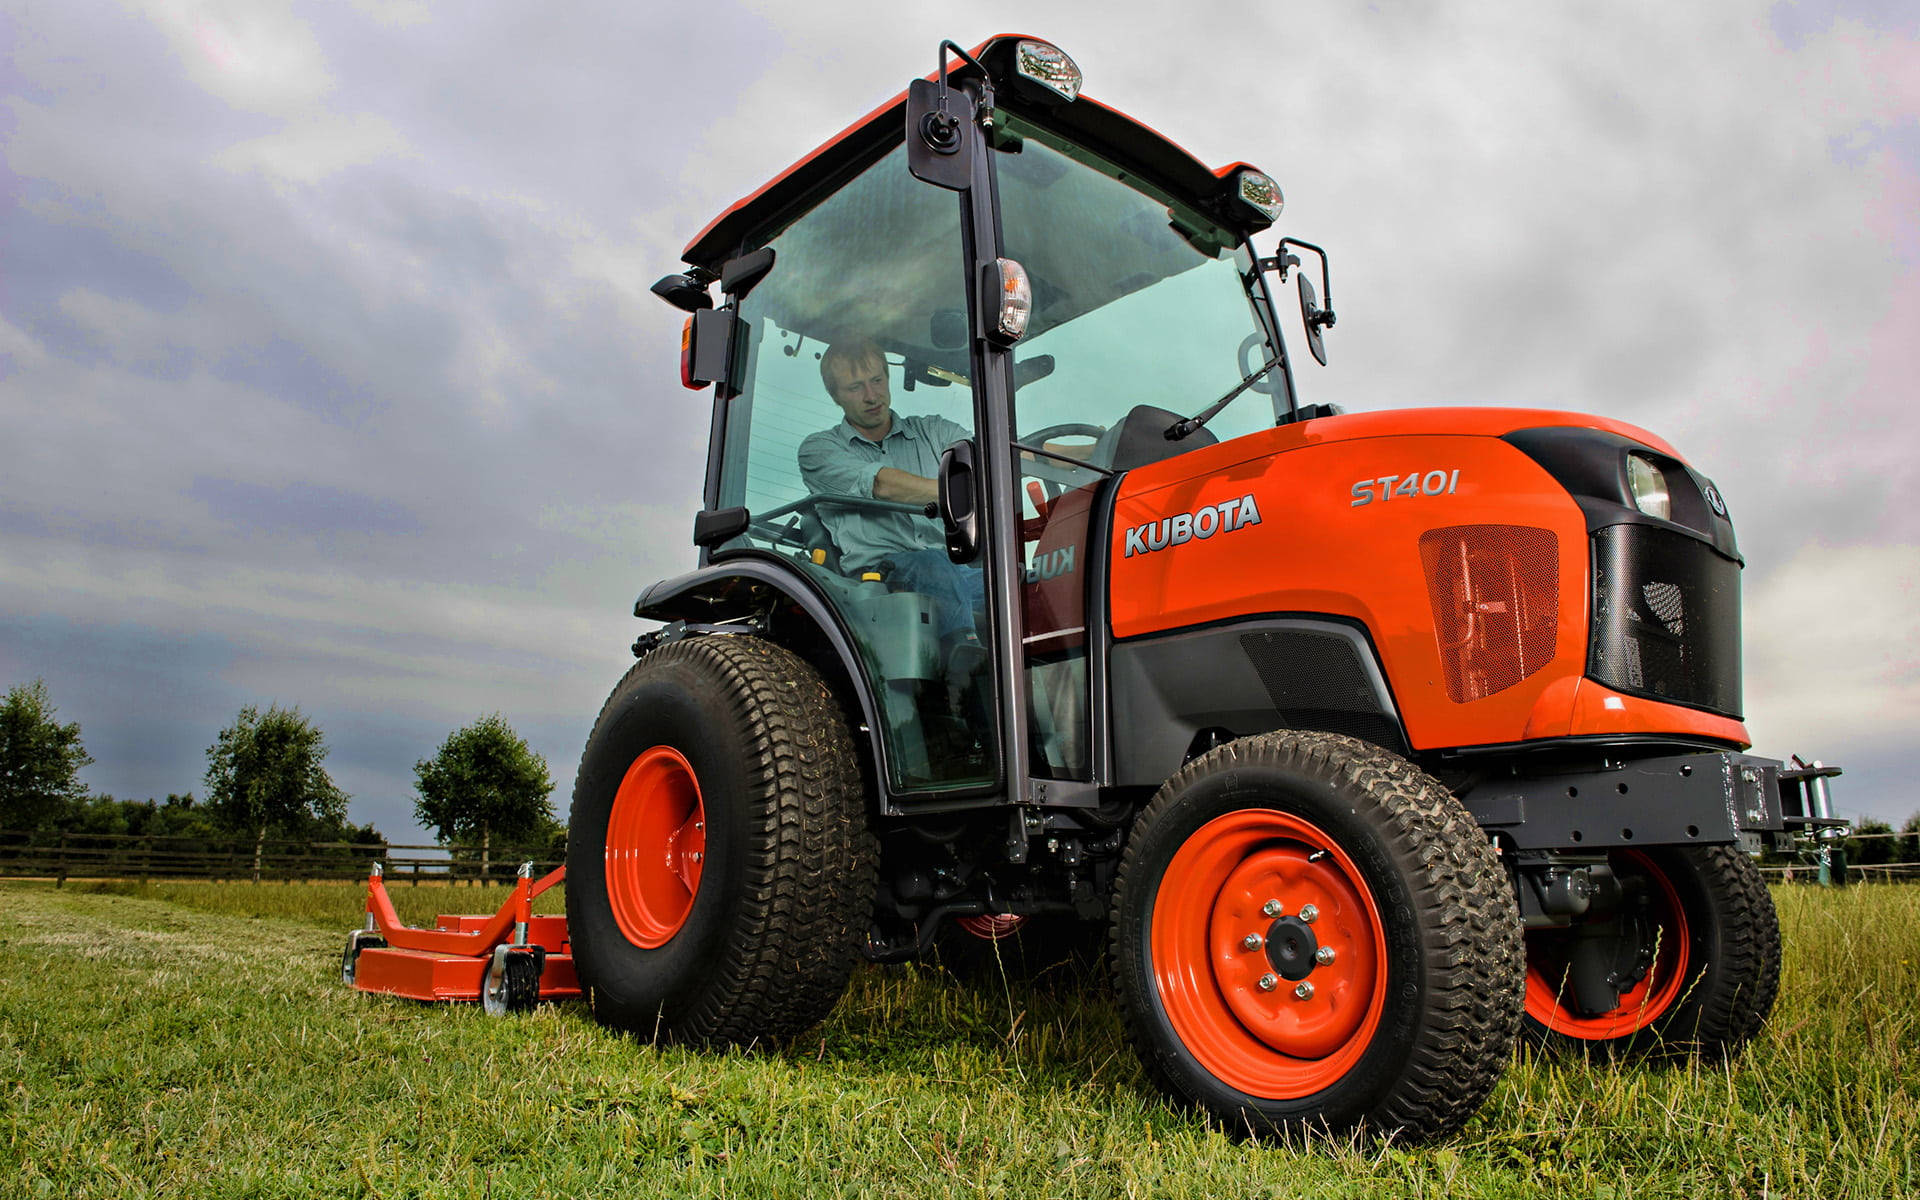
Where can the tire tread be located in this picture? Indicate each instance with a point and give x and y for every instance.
(1474, 966)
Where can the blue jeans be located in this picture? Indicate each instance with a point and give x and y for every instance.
(955, 590)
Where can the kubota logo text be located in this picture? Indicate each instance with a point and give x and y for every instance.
(1202, 523)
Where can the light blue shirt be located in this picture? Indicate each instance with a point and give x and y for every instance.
(842, 461)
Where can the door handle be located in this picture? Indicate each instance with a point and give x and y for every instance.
(959, 502)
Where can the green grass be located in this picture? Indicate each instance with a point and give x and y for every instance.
(195, 1040)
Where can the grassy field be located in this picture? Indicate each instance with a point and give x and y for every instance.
(195, 1040)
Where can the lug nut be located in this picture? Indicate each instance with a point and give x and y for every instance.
(1323, 955)
(1272, 908)
(1251, 941)
(1304, 991)
(1269, 981)
(1309, 914)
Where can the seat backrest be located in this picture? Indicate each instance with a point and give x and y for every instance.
(817, 536)
(1141, 438)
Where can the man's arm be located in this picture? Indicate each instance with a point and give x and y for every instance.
(826, 465)
(891, 483)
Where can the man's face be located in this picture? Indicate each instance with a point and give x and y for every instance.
(860, 389)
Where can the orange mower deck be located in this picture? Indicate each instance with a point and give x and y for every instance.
(507, 961)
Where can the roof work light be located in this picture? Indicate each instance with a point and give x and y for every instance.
(1048, 66)
(1258, 191)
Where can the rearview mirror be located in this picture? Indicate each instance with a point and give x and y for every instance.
(1313, 317)
(939, 145)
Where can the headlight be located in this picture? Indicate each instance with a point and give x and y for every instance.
(1649, 488)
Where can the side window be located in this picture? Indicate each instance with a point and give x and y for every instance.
(855, 382)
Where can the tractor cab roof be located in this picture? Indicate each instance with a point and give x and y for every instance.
(1136, 148)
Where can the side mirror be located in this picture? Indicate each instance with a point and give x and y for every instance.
(1313, 317)
(958, 504)
(707, 349)
(939, 145)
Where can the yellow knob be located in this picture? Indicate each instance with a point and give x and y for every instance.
(866, 576)
(819, 557)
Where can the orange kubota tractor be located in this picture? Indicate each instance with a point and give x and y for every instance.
(1034, 612)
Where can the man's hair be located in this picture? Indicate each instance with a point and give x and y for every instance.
(856, 353)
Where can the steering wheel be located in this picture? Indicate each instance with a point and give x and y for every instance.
(1040, 437)
(1045, 489)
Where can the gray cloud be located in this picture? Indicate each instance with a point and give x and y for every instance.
(330, 377)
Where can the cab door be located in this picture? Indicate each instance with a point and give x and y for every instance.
(878, 261)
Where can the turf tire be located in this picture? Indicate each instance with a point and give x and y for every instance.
(764, 946)
(1725, 990)
(1322, 812)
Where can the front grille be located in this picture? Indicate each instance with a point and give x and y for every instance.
(1666, 618)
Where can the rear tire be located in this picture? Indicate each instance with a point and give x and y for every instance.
(1404, 1028)
(720, 873)
(1715, 970)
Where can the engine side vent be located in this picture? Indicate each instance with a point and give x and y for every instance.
(1495, 592)
(1317, 681)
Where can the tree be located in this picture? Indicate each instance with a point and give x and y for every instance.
(1870, 845)
(40, 759)
(484, 780)
(1910, 840)
(264, 771)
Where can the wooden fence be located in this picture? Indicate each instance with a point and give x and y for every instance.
(64, 856)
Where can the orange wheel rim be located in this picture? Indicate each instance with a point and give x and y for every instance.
(656, 847)
(991, 926)
(1227, 1000)
(1548, 1001)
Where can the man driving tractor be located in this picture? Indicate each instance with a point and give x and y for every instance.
(876, 452)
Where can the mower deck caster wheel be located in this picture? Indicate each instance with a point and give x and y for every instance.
(513, 981)
(358, 940)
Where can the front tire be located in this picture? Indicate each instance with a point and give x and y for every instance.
(720, 873)
(1706, 971)
(1309, 933)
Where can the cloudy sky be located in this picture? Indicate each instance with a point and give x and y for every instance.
(328, 374)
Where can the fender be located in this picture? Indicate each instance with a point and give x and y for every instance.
(1181, 692)
(753, 583)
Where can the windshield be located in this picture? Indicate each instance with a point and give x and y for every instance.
(1136, 301)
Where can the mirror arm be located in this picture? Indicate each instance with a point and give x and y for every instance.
(986, 81)
(1324, 318)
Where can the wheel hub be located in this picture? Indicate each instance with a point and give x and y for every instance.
(1291, 947)
(655, 847)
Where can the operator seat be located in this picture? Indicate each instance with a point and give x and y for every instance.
(818, 538)
(1141, 438)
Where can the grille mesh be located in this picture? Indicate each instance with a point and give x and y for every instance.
(1666, 618)
(1495, 592)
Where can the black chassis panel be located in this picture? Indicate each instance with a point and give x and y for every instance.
(1243, 677)
(1700, 798)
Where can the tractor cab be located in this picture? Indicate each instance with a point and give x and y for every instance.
(1043, 293)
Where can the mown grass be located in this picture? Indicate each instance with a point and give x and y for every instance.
(194, 1040)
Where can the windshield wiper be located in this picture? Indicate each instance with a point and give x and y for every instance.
(1180, 429)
